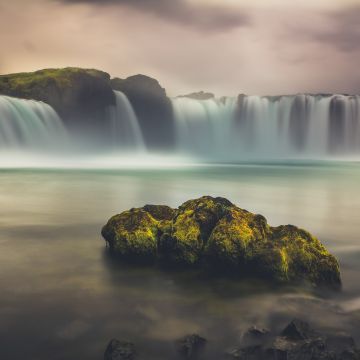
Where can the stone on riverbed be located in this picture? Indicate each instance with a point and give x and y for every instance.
(120, 350)
(298, 341)
(215, 234)
(190, 346)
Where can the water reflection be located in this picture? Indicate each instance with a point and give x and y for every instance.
(64, 297)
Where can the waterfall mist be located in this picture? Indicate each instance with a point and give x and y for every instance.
(28, 125)
(268, 128)
(125, 129)
(228, 129)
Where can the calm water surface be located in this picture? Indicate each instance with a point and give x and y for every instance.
(63, 297)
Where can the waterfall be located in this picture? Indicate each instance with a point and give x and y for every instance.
(126, 131)
(204, 127)
(30, 125)
(264, 127)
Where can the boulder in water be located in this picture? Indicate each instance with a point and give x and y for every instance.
(190, 346)
(120, 350)
(298, 341)
(215, 234)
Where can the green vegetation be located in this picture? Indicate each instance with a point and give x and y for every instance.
(25, 84)
(216, 234)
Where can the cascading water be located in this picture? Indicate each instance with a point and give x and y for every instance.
(30, 125)
(204, 127)
(260, 127)
(223, 130)
(126, 131)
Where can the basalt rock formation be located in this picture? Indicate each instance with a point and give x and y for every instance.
(298, 341)
(76, 94)
(215, 234)
(152, 107)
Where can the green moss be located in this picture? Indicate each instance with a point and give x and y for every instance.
(63, 89)
(216, 233)
(160, 212)
(236, 239)
(25, 82)
(132, 235)
(181, 243)
(307, 257)
(192, 225)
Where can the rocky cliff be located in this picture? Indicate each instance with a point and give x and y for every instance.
(76, 94)
(152, 107)
(82, 98)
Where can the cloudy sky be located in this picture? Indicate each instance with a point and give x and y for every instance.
(223, 46)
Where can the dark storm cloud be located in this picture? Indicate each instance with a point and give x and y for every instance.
(204, 17)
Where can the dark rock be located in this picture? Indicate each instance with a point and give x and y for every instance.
(257, 332)
(79, 96)
(152, 107)
(298, 330)
(120, 350)
(160, 212)
(255, 336)
(254, 352)
(190, 346)
(216, 234)
(200, 95)
(298, 341)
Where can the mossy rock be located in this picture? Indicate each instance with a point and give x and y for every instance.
(133, 235)
(215, 234)
(236, 239)
(191, 228)
(305, 256)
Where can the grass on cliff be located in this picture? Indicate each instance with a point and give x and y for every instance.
(62, 77)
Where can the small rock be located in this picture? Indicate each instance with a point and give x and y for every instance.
(298, 330)
(120, 350)
(190, 346)
(255, 335)
(247, 353)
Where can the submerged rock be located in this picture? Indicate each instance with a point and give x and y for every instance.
(255, 336)
(216, 234)
(298, 330)
(298, 341)
(120, 350)
(190, 346)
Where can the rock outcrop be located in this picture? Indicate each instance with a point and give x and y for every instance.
(120, 350)
(216, 234)
(82, 98)
(190, 346)
(152, 107)
(200, 95)
(78, 95)
(298, 341)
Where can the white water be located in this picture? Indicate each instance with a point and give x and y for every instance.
(215, 130)
(302, 126)
(125, 128)
(204, 127)
(28, 125)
